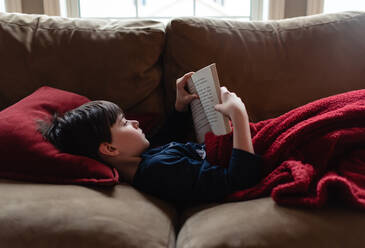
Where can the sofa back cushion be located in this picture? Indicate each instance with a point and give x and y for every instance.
(273, 66)
(117, 61)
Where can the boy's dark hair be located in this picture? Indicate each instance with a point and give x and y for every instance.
(80, 131)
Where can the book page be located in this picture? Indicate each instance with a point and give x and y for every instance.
(207, 86)
(201, 124)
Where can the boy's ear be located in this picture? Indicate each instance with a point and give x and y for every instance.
(108, 149)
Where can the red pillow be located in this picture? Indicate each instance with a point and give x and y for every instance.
(25, 155)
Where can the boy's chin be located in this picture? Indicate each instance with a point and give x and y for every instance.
(147, 143)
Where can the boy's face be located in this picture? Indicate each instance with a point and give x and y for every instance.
(128, 138)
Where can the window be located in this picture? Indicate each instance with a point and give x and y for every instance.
(165, 9)
(2, 5)
(341, 5)
(332, 6)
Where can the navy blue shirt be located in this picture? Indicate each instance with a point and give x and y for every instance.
(180, 173)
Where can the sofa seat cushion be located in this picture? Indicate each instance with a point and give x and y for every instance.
(262, 223)
(41, 215)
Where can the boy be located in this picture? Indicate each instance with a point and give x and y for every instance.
(177, 172)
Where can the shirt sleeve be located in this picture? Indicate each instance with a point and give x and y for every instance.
(174, 129)
(216, 182)
(245, 169)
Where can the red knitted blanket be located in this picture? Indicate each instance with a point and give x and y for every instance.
(311, 154)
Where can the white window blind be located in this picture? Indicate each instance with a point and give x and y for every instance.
(2, 5)
(331, 6)
(166, 9)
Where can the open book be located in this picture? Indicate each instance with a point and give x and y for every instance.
(205, 83)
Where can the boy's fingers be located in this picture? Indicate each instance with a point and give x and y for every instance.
(188, 74)
(184, 78)
(224, 89)
(181, 82)
(191, 97)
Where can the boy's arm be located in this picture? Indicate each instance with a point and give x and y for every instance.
(216, 182)
(233, 107)
(244, 170)
(241, 134)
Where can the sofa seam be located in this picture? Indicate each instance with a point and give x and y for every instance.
(35, 30)
(84, 29)
(169, 236)
(106, 30)
(220, 27)
(189, 236)
(18, 24)
(344, 20)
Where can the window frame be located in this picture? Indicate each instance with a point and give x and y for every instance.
(73, 10)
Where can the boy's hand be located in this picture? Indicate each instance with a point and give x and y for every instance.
(183, 98)
(231, 104)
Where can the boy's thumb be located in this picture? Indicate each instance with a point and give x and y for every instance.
(192, 97)
(217, 107)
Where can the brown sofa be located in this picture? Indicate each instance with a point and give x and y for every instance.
(273, 66)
